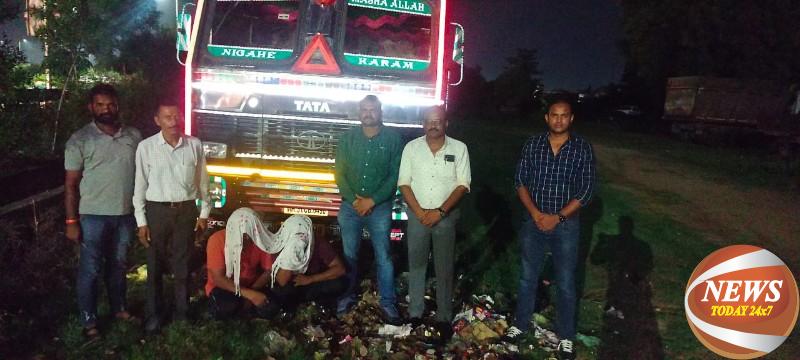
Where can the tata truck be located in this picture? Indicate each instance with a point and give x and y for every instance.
(271, 85)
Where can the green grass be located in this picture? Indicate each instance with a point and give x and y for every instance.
(676, 249)
(488, 257)
(746, 167)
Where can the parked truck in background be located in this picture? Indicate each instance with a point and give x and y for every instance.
(271, 85)
(711, 109)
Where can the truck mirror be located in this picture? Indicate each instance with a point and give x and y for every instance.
(458, 50)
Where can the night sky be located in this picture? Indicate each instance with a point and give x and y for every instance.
(576, 40)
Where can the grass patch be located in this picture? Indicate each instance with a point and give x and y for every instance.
(674, 249)
(632, 258)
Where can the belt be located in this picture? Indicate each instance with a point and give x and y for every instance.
(173, 205)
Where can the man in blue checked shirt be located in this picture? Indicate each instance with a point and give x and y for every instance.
(555, 178)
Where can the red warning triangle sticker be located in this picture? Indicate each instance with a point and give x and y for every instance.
(317, 58)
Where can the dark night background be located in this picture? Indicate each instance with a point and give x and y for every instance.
(675, 181)
(577, 40)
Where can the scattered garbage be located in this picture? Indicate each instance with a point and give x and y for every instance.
(395, 331)
(313, 332)
(615, 313)
(541, 320)
(591, 342)
(277, 345)
(346, 339)
(547, 338)
(474, 333)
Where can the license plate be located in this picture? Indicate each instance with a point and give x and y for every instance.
(309, 212)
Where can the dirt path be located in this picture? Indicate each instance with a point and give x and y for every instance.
(724, 212)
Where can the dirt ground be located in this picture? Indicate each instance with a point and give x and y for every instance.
(721, 210)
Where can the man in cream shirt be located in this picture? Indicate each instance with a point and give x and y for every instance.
(170, 175)
(434, 175)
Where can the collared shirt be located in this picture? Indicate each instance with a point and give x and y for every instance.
(368, 166)
(107, 166)
(554, 180)
(167, 174)
(433, 177)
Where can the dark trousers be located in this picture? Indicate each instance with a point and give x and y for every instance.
(563, 242)
(324, 292)
(441, 237)
(223, 304)
(171, 236)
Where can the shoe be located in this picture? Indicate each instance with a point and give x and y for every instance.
(513, 335)
(445, 332)
(152, 326)
(390, 315)
(415, 322)
(565, 350)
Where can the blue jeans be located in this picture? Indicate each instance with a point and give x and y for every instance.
(104, 244)
(563, 243)
(378, 223)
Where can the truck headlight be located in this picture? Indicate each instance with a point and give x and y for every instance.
(214, 150)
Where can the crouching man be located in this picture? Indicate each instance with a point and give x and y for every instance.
(306, 270)
(253, 269)
(239, 266)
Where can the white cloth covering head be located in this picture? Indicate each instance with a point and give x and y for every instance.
(246, 221)
(297, 236)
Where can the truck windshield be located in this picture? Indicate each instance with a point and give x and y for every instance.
(263, 24)
(387, 33)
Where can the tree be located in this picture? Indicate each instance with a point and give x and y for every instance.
(725, 38)
(10, 56)
(470, 97)
(515, 87)
(86, 33)
(83, 34)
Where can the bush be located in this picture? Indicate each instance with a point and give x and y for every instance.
(36, 271)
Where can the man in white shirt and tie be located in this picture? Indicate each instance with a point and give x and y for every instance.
(170, 175)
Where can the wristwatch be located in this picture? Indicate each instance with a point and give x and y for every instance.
(442, 213)
(561, 217)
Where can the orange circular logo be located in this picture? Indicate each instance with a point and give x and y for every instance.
(741, 302)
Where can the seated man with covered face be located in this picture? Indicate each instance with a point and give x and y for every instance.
(242, 265)
(307, 269)
(239, 265)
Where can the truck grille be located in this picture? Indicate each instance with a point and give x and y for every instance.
(273, 136)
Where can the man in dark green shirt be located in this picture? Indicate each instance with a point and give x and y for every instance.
(367, 163)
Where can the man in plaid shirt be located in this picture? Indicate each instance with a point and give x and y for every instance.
(554, 180)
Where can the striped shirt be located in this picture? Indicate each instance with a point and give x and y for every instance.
(554, 180)
(167, 174)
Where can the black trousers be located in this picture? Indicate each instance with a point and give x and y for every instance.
(171, 237)
(224, 304)
(325, 293)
